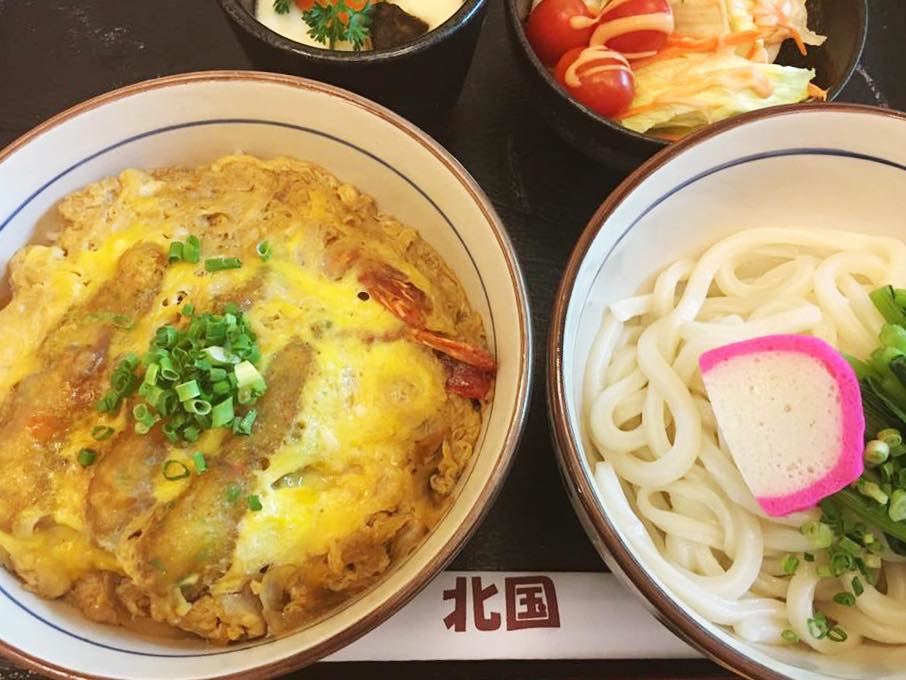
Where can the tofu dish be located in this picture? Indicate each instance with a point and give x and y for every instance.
(353, 25)
(231, 398)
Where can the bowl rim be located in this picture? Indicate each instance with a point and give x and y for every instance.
(517, 26)
(494, 481)
(245, 20)
(597, 524)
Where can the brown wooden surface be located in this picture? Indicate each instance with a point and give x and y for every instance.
(54, 53)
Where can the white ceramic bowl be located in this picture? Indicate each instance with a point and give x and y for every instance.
(195, 118)
(832, 166)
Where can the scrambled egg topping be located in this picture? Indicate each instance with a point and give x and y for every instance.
(375, 441)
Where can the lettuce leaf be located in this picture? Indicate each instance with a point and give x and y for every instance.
(696, 91)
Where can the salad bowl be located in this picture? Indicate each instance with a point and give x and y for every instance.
(843, 22)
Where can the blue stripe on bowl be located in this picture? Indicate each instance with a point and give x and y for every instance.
(232, 121)
(803, 151)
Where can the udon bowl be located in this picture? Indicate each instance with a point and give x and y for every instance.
(195, 118)
(834, 167)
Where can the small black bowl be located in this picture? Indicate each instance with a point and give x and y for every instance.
(419, 80)
(844, 22)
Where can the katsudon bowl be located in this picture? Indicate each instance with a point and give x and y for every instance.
(190, 120)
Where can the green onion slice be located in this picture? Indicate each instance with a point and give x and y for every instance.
(175, 253)
(87, 457)
(101, 432)
(789, 636)
(264, 250)
(200, 463)
(217, 264)
(174, 469)
(844, 598)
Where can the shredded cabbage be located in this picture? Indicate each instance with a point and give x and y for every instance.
(685, 106)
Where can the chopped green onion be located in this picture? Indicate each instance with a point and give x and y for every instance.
(844, 598)
(837, 634)
(789, 636)
(191, 433)
(872, 561)
(141, 412)
(884, 299)
(840, 564)
(858, 588)
(174, 469)
(817, 626)
(808, 557)
(176, 252)
(891, 437)
(217, 264)
(872, 490)
(87, 457)
(168, 370)
(860, 368)
(101, 432)
(152, 393)
(876, 452)
(244, 425)
(200, 463)
(167, 403)
(199, 406)
(264, 250)
(849, 546)
(893, 336)
(220, 357)
(223, 413)
(254, 503)
(821, 535)
(248, 376)
(109, 403)
(151, 374)
(824, 571)
(897, 509)
(165, 337)
(191, 251)
(188, 309)
(790, 564)
(188, 390)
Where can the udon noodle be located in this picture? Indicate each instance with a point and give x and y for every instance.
(681, 502)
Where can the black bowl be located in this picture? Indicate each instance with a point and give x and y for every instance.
(844, 22)
(419, 79)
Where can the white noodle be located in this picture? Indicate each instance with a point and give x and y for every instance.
(671, 483)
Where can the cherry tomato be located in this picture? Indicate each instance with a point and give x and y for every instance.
(638, 42)
(607, 91)
(549, 31)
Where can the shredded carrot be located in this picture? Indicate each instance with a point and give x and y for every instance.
(816, 92)
(783, 21)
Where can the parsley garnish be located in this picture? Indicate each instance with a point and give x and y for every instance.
(336, 22)
(281, 6)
